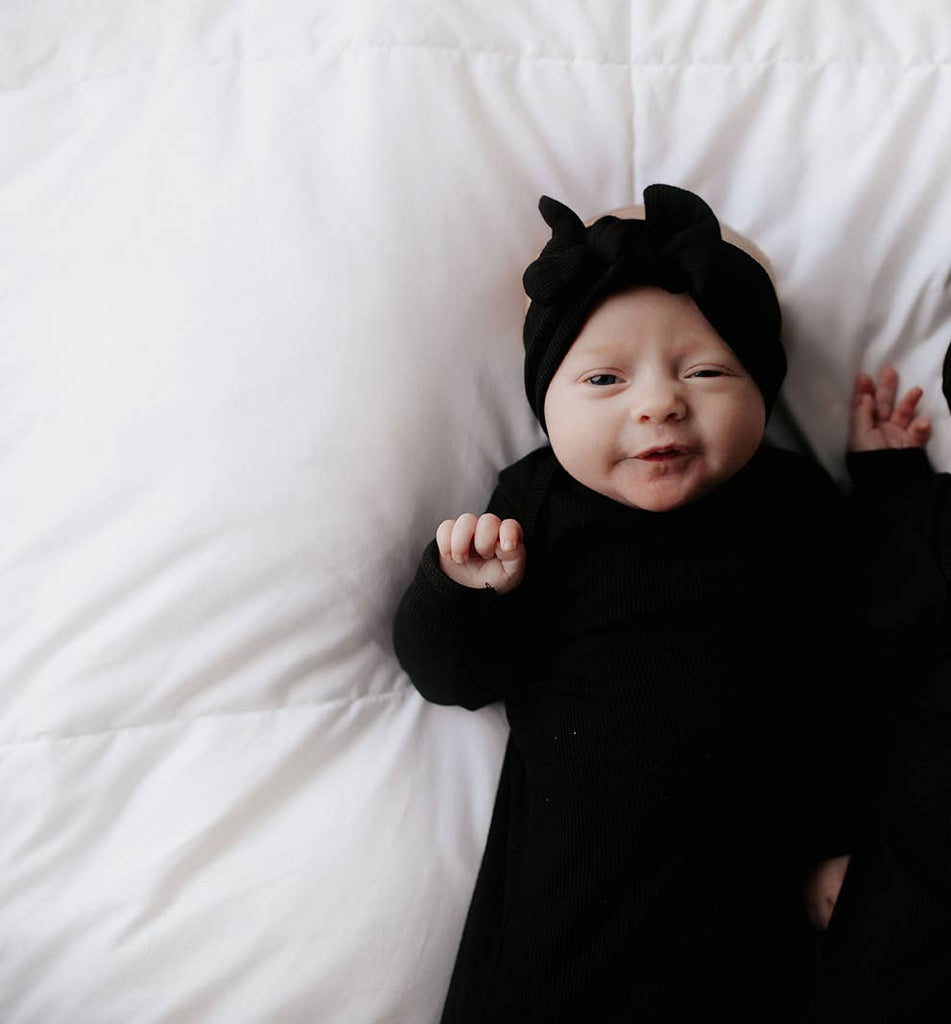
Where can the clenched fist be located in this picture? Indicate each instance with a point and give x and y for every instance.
(482, 551)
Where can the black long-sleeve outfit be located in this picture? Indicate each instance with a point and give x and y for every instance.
(888, 950)
(668, 781)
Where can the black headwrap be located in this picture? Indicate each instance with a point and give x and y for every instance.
(678, 247)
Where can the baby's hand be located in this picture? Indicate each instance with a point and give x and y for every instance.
(822, 891)
(876, 421)
(482, 552)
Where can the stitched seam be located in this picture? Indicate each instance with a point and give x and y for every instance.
(678, 64)
(631, 62)
(178, 723)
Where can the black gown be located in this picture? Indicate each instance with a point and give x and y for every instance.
(674, 766)
(887, 955)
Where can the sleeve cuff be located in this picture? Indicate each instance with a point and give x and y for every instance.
(888, 468)
(445, 585)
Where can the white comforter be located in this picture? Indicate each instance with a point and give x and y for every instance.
(259, 332)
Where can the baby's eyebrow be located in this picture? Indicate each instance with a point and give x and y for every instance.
(706, 352)
(600, 353)
(711, 357)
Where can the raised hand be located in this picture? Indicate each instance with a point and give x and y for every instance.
(482, 551)
(877, 422)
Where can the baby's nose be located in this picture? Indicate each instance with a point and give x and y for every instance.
(658, 403)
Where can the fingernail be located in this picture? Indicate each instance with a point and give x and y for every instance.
(508, 545)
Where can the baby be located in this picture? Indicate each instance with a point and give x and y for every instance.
(646, 594)
(887, 955)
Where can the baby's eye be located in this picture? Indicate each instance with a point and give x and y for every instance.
(707, 373)
(603, 380)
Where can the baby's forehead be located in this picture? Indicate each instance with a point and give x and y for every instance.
(635, 321)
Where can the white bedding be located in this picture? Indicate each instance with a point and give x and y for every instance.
(259, 332)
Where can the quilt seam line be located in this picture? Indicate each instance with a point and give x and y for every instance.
(680, 63)
(632, 62)
(50, 738)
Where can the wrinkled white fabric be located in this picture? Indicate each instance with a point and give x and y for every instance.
(259, 332)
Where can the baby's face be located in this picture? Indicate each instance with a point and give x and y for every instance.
(650, 406)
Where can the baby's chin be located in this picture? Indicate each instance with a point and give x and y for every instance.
(665, 487)
(661, 491)
(660, 503)
(665, 498)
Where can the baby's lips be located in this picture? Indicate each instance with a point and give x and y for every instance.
(660, 454)
(669, 447)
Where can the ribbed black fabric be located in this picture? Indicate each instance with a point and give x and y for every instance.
(887, 956)
(672, 695)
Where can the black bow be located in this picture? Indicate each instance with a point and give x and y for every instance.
(673, 247)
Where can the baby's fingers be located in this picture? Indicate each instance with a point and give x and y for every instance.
(454, 537)
(920, 431)
(510, 536)
(444, 536)
(905, 410)
(863, 386)
(487, 535)
(885, 392)
(460, 543)
(862, 423)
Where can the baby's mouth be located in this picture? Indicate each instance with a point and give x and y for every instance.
(662, 454)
